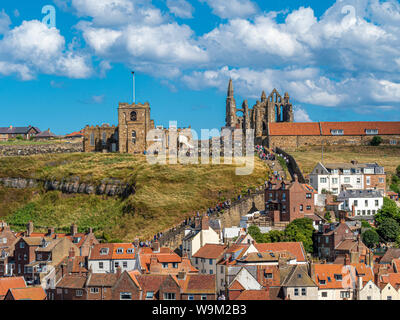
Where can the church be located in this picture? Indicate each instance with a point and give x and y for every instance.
(272, 119)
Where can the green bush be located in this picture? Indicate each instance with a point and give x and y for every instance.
(389, 230)
(376, 141)
(370, 238)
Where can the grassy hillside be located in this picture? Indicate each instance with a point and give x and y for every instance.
(307, 157)
(165, 195)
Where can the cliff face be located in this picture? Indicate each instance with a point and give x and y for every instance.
(110, 187)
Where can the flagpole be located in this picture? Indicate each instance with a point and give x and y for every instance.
(134, 93)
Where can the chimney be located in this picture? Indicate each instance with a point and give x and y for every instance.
(156, 247)
(205, 223)
(346, 259)
(71, 253)
(50, 232)
(296, 178)
(119, 271)
(74, 229)
(154, 266)
(197, 222)
(29, 228)
(181, 275)
(90, 230)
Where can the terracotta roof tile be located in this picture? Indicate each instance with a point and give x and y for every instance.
(295, 248)
(36, 293)
(359, 127)
(112, 251)
(12, 282)
(294, 129)
(72, 282)
(210, 251)
(254, 295)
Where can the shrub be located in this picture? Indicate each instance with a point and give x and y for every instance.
(376, 141)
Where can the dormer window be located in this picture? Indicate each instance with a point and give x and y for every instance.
(337, 132)
(76, 240)
(338, 277)
(371, 131)
(104, 251)
(130, 251)
(120, 250)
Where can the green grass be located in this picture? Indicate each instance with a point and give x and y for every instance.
(165, 195)
(307, 157)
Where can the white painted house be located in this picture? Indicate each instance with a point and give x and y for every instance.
(364, 204)
(107, 257)
(338, 176)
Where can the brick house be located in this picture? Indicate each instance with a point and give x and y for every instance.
(70, 287)
(10, 283)
(285, 202)
(7, 133)
(100, 285)
(7, 244)
(127, 287)
(24, 253)
(197, 286)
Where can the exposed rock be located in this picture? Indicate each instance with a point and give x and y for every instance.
(27, 150)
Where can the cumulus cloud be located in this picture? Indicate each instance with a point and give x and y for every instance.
(233, 8)
(301, 115)
(33, 48)
(180, 8)
(4, 22)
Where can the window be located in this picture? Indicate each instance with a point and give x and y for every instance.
(197, 261)
(4, 240)
(222, 269)
(301, 207)
(338, 277)
(203, 297)
(165, 265)
(133, 116)
(130, 251)
(211, 261)
(308, 196)
(376, 203)
(358, 180)
(344, 294)
(103, 251)
(284, 197)
(25, 257)
(190, 297)
(101, 265)
(211, 272)
(134, 137)
(326, 240)
(296, 291)
(369, 212)
(39, 256)
(125, 296)
(381, 180)
(79, 293)
(389, 297)
(22, 245)
(369, 298)
(366, 203)
(393, 142)
(371, 131)
(346, 179)
(303, 291)
(322, 282)
(337, 132)
(120, 250)
(116, 264)
(308, 207)
(322, 180)
(324, 294)
(125, 264)
(94, 290)
(169, 296)
(268, 275)
(149, 295)
(368, 180)
(104, 139)
(355, 203)
(92, 139)
(358, 212)
(334, 180)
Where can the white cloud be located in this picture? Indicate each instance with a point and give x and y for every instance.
(180, 8)
(4, 22)
(232, 8)
(301, 115)
(35, 47)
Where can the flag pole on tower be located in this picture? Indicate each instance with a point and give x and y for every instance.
(134, 97)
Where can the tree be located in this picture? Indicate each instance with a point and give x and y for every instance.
(376, 141)
(256, 234)
(398, 170)
(301, 230)
(328, 217)
(371, 238)
(389, 210)
(389, 230)
(365, 224)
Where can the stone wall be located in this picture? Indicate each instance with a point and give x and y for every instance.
(229, 218)
(298, 141)
(293, 167)
(109, 187)
(27, 150)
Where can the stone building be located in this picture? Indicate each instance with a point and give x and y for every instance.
(272, 118)
(135, 133)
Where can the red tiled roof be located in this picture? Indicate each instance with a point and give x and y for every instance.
(295, 248)
(76, 133)
(198, 284)
(9, 283)
(72, 282)
(327, 273)
(112, 251)
(36, 293)
(236, 285)
(210, 251)
(359, 127)
(254, 295)
(294, 129)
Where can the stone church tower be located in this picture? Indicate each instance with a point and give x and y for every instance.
(273, 108)
(134, 123)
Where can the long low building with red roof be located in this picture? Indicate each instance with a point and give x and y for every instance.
(296, 134)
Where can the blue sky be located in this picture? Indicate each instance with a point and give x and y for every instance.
(339, 60)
